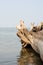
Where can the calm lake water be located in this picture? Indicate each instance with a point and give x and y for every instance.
(11, 51)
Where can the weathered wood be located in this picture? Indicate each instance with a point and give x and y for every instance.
(33, 37)
(22, 37)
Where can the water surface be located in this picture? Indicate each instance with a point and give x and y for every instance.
(11, 52)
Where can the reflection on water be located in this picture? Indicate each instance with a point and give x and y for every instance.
(10, 50)
(29, 57)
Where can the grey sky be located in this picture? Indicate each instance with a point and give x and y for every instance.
(11, 11)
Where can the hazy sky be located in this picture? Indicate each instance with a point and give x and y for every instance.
(11, 11)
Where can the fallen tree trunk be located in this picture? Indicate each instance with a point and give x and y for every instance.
(33, 38)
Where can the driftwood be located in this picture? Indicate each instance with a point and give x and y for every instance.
(34, 37)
